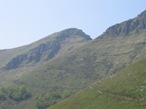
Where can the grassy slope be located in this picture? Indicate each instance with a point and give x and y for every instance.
(124, 90)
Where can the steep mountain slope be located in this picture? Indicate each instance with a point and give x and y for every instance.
(24, 59)
(133, 25)
(124, 90)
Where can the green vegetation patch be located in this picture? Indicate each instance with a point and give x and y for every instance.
(15, 92)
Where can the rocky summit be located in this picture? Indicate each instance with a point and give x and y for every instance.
(136, 24)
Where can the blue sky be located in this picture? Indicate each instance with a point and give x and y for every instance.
(25, 21)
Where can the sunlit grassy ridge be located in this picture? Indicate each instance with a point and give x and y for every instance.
(124, 90)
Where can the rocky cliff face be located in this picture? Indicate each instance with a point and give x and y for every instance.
(136, 24)
(41, 52)
(46, 50)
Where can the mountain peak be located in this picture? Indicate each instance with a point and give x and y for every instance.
(123, 29)
(73, 32)
(142, 14)
(48, 47)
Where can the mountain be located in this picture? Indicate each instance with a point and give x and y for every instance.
(21, 60)
(65, 62)
(124, 90)
(46, 48)
(24, 63)
(136, 25)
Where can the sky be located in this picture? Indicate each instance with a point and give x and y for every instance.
(25, 21)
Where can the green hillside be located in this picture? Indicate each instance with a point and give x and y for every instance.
(124, 90)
